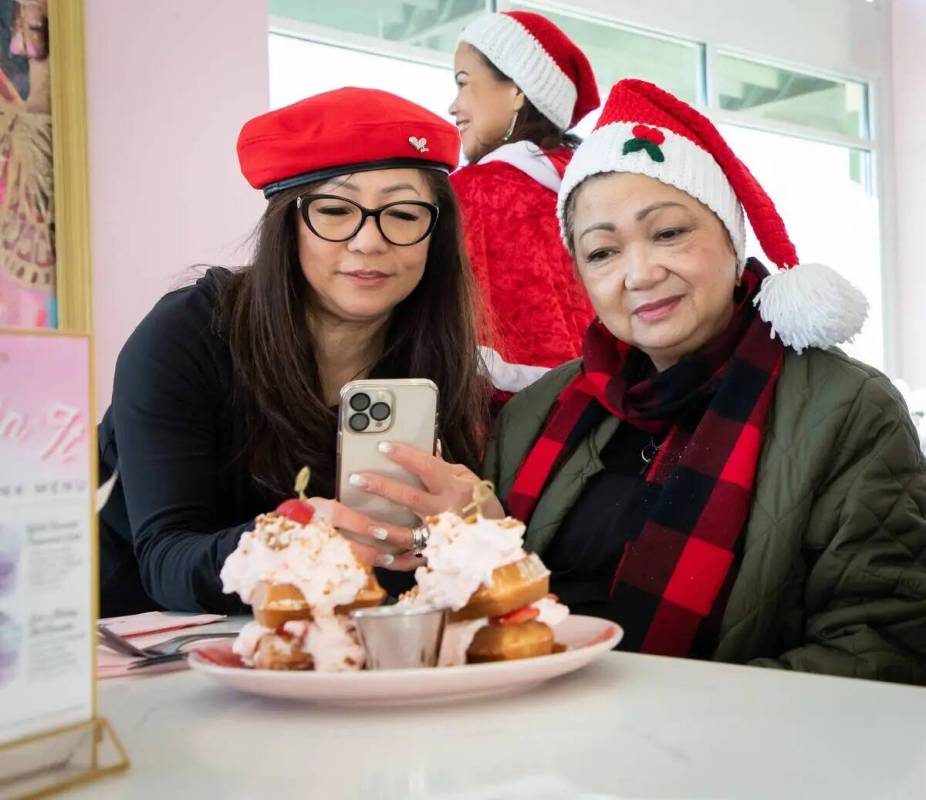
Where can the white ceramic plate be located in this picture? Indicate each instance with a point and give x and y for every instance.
(586, 638)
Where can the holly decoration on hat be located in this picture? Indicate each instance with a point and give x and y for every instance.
(648, 139)
(298, 509)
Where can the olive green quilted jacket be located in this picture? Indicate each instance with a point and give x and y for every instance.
(833, 575)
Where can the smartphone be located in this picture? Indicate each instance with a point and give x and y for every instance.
(387, 410)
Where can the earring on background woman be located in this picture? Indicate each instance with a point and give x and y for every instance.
(514, 121)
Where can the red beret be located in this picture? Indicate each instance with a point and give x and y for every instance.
(342, 131)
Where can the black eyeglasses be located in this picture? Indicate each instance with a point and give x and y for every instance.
(337, 219)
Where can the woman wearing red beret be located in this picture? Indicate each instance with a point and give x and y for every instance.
(521, 84)
(229, 386)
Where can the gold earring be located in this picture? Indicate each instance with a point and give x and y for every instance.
(510, 130)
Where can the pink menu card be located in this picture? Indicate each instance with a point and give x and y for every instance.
(47, 529)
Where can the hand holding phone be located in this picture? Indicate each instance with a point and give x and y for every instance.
(389, 410)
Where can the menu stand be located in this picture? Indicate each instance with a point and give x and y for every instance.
(51, 735)
(50, 762)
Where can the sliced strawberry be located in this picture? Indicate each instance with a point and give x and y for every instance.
(515, 617)
(297, 510)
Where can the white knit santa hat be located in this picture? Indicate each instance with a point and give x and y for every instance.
(645, 130)
(543, 61)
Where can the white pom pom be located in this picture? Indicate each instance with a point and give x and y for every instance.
(811, 305)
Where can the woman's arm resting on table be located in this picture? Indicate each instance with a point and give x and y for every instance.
(165, 399)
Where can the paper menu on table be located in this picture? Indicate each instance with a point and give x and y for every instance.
(47, 569)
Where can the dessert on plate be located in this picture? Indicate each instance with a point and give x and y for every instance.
(302, 579)
(497, 594)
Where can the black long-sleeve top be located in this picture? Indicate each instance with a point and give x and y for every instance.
(175, 433)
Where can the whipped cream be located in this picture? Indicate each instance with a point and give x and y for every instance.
(551, 613)
(461, 556)
(248, 639)
(458, 636)
(314, 558)
(331, 641)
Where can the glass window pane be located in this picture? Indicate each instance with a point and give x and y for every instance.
(616, 52)
(821, 191)
(432, 24)
(299, 68)
(827, 104)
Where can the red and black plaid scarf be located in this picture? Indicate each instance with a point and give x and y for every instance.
(711, 408)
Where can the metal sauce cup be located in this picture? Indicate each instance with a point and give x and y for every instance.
(400, 637)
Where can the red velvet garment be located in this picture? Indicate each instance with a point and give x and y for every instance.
(536, 304)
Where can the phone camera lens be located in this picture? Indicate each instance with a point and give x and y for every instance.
(360, 402)
(380, 411)
(358, 422)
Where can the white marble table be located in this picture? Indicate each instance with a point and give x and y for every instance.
(627, 726)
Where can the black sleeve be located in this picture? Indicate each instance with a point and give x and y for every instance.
(167, 391)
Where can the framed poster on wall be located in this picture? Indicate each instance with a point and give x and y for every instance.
(44, 208)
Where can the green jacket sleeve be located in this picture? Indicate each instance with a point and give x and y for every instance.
(865, 545)
(490, 459)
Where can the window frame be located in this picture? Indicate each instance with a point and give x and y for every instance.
(877, 175)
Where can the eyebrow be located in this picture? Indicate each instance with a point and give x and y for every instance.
(610, 227)
(396, 187)
(641, 214)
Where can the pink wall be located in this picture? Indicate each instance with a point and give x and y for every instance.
(169, 85)
(909, 41)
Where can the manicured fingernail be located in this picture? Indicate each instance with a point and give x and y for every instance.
(385, 560)
(379, 533)
(358, 480)
(386, 447)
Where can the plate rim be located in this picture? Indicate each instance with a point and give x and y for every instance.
(201, 664)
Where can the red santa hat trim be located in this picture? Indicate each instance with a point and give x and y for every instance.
(645, 130)
(542, 60)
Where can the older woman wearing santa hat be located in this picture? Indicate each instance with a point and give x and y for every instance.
(713, 473)
(230, 385)
(522, 84)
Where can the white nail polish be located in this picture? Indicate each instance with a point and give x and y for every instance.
(379, 533)
(358, 480)
(386, 559)
(385, 447)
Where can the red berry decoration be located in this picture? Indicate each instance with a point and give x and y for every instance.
(647, 139)
(516, 617)
(654, 135)
(298, 509)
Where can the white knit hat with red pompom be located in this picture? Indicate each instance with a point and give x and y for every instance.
(645, 130)
(544, 62)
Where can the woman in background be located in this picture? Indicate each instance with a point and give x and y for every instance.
(522, 84)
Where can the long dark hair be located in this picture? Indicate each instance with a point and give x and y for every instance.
(531, 125)
(433, 333)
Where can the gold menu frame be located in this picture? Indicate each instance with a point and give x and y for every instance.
(99, 728)
(73, 266)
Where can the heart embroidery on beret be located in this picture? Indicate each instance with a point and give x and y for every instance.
(421, 145)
